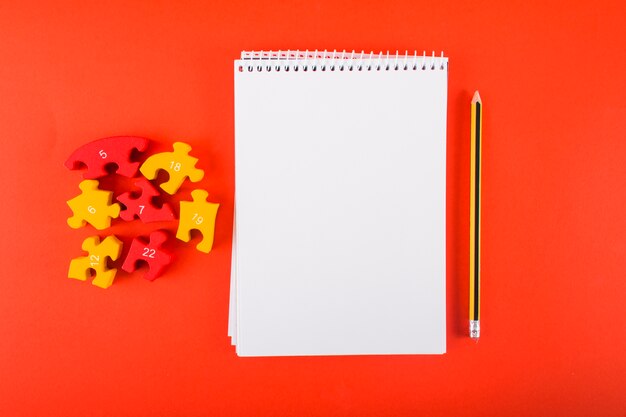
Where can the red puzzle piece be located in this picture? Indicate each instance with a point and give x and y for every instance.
(98, 154)
(143, 206)
(151, 252)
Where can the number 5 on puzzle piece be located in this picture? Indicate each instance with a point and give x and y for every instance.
(98, 154)
(179, 165)
(150, 252)
(111, 247)
(199, 215)
(92, 206)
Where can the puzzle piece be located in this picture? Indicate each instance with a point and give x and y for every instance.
(98, 154)
(92, 206)
(143, 206)
(151, 252)
(178, 164)
(199, 215)
(80, 267)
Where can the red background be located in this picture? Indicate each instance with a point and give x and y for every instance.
(552, 78)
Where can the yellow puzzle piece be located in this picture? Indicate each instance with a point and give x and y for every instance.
(110, 247)
(198, 215)
(92, 206)
(178, 164)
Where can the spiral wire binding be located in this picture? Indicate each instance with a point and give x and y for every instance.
(261, 61)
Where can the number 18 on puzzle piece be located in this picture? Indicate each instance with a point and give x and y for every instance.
(178, 164)
(96, 260)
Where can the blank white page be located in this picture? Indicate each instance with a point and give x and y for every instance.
(340, 210)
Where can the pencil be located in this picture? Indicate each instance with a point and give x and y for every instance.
(475, 190)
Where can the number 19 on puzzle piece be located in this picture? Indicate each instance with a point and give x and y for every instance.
(198, 214)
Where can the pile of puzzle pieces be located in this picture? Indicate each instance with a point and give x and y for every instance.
(94, 206)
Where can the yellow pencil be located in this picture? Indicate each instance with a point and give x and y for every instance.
(475, 189)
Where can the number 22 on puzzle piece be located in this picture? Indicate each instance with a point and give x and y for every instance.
(150, 252)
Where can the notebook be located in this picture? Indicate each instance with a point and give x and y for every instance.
(340, 191)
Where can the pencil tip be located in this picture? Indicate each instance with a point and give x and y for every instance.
(476, 98)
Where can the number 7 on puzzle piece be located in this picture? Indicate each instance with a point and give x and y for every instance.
(143, 206)
(178, 164)
(200, 215)
(111, 248)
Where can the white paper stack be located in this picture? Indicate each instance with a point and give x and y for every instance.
(339, 238)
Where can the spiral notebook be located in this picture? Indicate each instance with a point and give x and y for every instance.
(340, 192)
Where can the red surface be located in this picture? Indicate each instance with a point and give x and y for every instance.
(552, 77)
